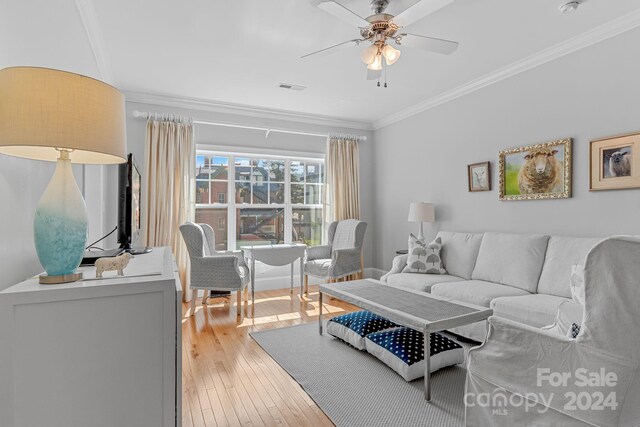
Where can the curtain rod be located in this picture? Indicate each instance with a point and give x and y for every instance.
(145, 115)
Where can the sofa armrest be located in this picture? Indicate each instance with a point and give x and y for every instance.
(397, 266)
(528, 361)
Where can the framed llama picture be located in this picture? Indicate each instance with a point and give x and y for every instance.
(479, 176)
(535, 172)
(614, 163)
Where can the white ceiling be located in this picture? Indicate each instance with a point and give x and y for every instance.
(238, 51)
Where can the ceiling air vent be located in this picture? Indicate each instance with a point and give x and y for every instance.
(290, 86)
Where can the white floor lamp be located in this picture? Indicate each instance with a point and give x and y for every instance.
(421, 212)
(58, 116)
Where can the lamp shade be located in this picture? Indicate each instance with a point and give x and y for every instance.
(43, 109)
(421, 212)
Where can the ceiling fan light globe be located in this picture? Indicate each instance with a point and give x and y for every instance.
(391, 55)
(368, 55)
(376, 65)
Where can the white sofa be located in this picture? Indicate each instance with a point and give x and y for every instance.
(522, 277)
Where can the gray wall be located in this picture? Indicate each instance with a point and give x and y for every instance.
(589, 94)
(234, 138)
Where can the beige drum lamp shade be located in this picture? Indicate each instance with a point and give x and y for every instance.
(421, 212)
(43, 109)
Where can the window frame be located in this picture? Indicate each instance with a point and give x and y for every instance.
(231, 205)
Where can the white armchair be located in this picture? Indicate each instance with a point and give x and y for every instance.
(342, 255)
(211, 269)
(522, 375)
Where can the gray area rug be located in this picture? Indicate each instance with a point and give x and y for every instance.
(355, 389)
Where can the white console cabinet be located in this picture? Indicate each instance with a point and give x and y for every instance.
(94, 353)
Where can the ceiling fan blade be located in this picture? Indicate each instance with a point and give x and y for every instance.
(419, 11)
(333, 49)
(341, 12)
(445, 47)
(373, 74)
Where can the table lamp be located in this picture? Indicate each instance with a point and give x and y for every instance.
(52, 115)
(421, 212)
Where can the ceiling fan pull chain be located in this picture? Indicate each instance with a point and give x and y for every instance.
(385, 76)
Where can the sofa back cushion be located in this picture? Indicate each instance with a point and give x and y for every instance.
(511, 259)
(459, 252)
(562, 253)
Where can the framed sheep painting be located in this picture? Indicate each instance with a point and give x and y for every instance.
(614, 163)
(534, 172)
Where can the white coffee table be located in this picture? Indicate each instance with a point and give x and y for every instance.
(276, 255)
(419, 311)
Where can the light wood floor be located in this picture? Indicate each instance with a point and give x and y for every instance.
(228, 380)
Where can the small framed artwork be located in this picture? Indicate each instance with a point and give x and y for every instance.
(534, 172)
(479, 176)
(614, 163)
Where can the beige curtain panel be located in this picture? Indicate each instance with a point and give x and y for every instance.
(170, 179)
(342, 189)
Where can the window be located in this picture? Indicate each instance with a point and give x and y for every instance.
(275, 199)
(212, 177)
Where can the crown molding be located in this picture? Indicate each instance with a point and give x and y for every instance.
(603, 32)
(96, 41)
(242, 110)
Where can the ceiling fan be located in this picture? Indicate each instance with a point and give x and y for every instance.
(380, 29)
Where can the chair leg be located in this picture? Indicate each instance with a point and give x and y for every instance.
(194, 296)
(239, 303)
(306, 284)
(246, 294)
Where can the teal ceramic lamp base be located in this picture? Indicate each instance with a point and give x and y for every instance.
(60, 226)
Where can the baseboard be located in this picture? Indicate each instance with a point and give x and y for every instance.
(283, 282)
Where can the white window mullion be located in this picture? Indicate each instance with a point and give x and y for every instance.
(231, 206)
(288, 214)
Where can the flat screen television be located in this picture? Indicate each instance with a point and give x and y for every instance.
(129, 198)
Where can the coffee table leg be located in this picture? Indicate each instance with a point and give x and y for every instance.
(320, 315)
(427, 365)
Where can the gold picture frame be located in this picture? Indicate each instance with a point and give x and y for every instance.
(614, 163)
(529, 173)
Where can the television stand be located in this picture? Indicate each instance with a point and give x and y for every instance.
(139, 250)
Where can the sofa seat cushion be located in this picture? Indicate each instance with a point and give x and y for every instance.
(402, 349)
(459, 252)
(476, 292)
(353, 327)
(511, 259)
(420, 282)
(562, 253)
(535, 310)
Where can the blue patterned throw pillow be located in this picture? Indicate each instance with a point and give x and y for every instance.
(353, 327)
(402, 349)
